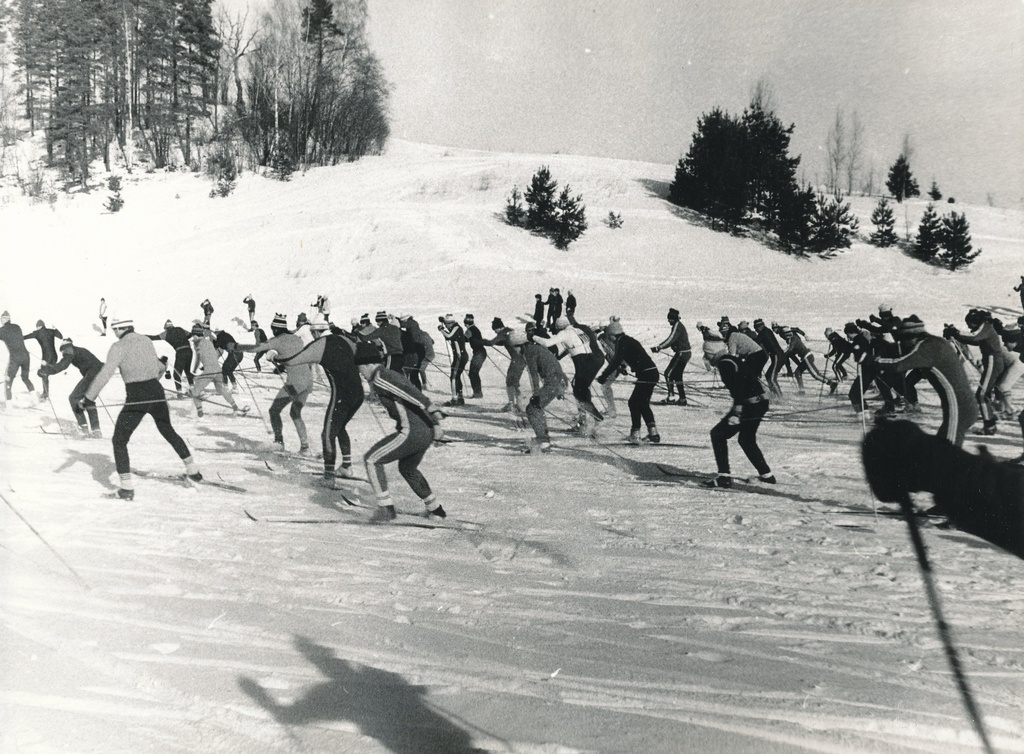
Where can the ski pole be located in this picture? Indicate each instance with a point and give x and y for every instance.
(259, 411)
(54, 410)
(67, 565)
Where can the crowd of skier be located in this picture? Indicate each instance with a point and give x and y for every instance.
(391, 354)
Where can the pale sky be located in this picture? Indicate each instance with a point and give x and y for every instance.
(629, 79)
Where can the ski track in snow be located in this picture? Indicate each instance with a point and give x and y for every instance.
(603, 605)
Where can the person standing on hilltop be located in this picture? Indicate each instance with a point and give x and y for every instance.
(135, 357)
(570, 306)
(88, 366)
(45, 336)
(250, 305)
(538, 310)
(554, 307)
(1020, 289)
(18, 358)
(207, 311)
(178, 338)
(103, 315)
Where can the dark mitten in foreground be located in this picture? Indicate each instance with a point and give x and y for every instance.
(980, 494)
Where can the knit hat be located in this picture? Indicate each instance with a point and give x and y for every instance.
(468, 319)
(517, 338)
(786, 332)
(301, 319)
(280, 322)
(382, 316)
(449, 317)
(910, 327)
(673, 314)
(758, 323)
(497, 324)
(537, 295)
(614, 328)
(40, 323)
(355, 322)
(66, 342)
(168, 324)
(198, 331)
(723, 321)
(850, 328)
(561, 323)
(5, 317)
(404, 316)
(120, 323)
(319, 325)
(828, 331)
(885, 308)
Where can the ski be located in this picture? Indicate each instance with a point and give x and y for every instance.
(405, 520)
(184, 480)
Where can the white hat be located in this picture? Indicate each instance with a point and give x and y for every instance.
(119, 323)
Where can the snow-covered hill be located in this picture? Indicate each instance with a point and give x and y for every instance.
(595, 604)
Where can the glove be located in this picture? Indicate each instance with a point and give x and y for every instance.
(534, 401)
(862, 324)
(654, 349)
(874, 318)
(438, 433)
(601, 380)
(949, 331)
(734, 419)
(85, 404)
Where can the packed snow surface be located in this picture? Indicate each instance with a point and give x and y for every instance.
(583, 600)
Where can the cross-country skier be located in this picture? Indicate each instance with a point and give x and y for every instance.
(207, 308)
(570, 306)
(179, 339)
(427, 358)
(476, 343)
(586, 362)
(134, 355)
(516, 363)
(89, 366)
(749, 405)
(223, 342)
(607, 344)
(678, 341)
(839, 351)
(18, 358)
(323, 307)
(390, 336)
(713, 344)
(45, 336)
(740, 344)
(206, 370)
(798, 351)
(940, 365)
(980, 494)
(417, 425)
(547, 382)
(453, 333)
(337, 356)
(412, 347)
(769, 341)
(628, 351)
(103, 315)
(260, 337)
(1020, 289)
(298, 381)
(984, 336)
(250, 305)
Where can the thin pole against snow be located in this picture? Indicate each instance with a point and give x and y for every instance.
(67, 565)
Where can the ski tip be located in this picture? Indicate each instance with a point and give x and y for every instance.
(249, 515)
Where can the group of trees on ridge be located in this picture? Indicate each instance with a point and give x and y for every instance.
(300, 86)
(738, 172)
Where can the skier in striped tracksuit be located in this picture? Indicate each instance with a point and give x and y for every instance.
(984, 336)
(678, 341)
(417, 425)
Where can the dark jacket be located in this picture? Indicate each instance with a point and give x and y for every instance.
(629, 351)
(75, 356)
(46, 336)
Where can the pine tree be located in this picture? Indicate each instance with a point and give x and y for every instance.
(901, 182)
(796, 208)
(832, 223)
(929, 235)
(933, 193)
(540, 200)
(515, 213)
(884, 222)
(771, 172)
(955, 238)
(570, 219)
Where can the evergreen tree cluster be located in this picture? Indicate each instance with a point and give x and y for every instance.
(563, 219)
(738, 170)
(97, 75)
(901, 182)
(945, 241)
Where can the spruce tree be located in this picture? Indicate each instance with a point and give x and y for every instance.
(884, 222)
(796, 207)
(901, 182)
(540, 200)
(955, 238)
(515, 213)
(771, 172)
(933, 193)
(570, 219)
(832, 223)
(929, 234)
